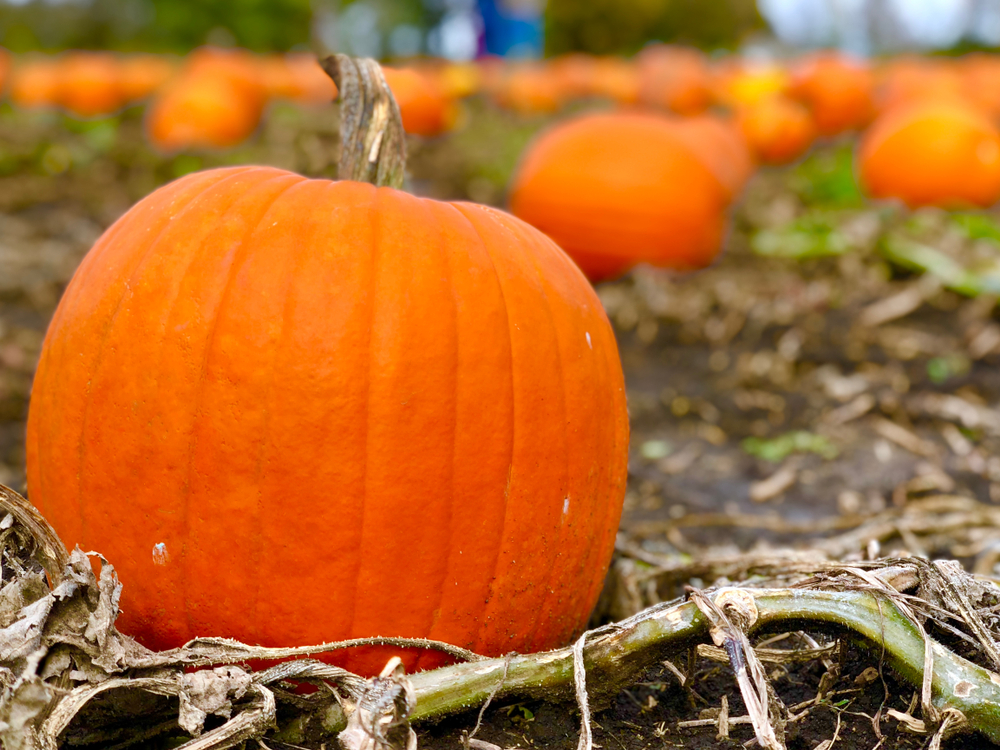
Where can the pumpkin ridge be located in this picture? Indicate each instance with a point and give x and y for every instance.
(465, 211)
(587, 488)
(106, 333)
(160, 334)
(433, 209)
(240, 252)
(168, 315)
(85, 270)
(599, 548)
(375, 222)
(32, 445)
(544, 579)
(255, 552)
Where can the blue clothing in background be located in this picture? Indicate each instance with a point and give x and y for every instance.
(512, 28)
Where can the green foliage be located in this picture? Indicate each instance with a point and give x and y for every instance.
(813, 235)
(155, 25)
(977, 226)
(624, 26)
(982, 277)
(941, 369)
(826, 178)
(799, 441)
(255, 24)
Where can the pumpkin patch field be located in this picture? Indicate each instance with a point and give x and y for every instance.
(660, 397)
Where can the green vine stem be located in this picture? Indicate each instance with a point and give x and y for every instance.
(372, 140)
(614, 655)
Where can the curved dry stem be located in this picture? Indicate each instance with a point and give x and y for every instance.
(372, 140)
(205, 652)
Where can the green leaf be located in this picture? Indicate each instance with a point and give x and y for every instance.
(827, 178)
(799, 441)
(916, 256)
(977, 226)
(813, 235)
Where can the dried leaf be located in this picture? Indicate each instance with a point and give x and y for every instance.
(210, 693)
(380, 719)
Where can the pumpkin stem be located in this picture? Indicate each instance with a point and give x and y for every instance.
(372, 143)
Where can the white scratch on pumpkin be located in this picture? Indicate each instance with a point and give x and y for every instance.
(587, 334)
(160, 556)
(566, 506)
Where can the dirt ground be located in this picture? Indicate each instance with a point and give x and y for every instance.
(814, 394)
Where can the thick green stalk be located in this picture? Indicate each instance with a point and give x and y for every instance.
(615, 655)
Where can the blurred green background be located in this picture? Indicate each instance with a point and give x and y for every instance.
(598, 26)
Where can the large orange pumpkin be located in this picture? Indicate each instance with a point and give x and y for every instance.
(932, 152)
(619, 189)
(293, 411)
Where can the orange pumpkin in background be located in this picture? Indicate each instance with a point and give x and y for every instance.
(777, 129)
(941, 152)
(980, 73)
(298, 78)
(615, 79)
(34, 82)
(201, 111)
(573, 74)
(907, 79)
(90, 83)
(460, 79)
(143, 75)
(215, 101)
(529, 89)
(426, 109)
(236, 66)
(738, 82)
(838, 90)
(5, 64)
(294, 411)
(619, 189)
(719, 144)
(674, 78)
